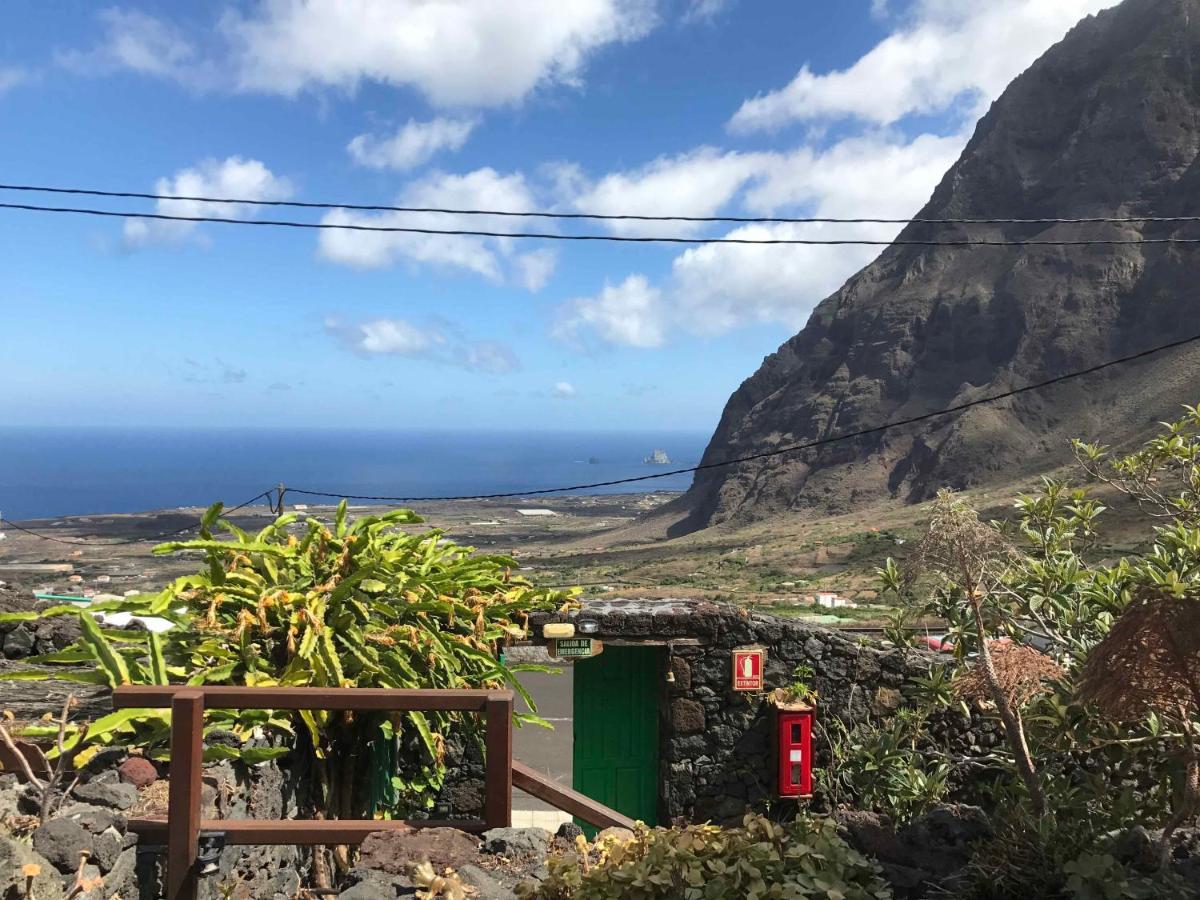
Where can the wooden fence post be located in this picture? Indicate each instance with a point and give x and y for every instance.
(497, 803)
(183, 807)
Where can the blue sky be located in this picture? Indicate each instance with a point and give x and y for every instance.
(695, 107)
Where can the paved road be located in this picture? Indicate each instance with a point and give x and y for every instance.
(546, 751)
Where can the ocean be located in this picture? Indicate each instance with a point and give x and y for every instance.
(46, 472)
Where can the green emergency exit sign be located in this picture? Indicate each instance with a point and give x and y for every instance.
(575, 648)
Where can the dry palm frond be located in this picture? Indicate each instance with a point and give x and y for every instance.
(959, 546)
(19, 825)
(1149, 661)
(1021, 672)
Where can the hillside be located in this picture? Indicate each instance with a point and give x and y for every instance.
(1104, 124)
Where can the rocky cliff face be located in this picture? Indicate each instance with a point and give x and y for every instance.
(1104, 124)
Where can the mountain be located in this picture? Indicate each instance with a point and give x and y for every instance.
(1105, 123)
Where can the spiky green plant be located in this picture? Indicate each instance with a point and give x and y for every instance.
(301, 603)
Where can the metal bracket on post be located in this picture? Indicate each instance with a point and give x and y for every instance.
(208, 854)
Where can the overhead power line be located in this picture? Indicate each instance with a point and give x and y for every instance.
(625, 239)
(779, 451)
(862, 432)
(139, 540)
(604, 217)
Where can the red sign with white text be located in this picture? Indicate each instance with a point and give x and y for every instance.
(748, 668)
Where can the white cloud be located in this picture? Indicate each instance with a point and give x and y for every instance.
(216, 372)
(414, 144)
(235, 177)
(494, 259)
(533, 269)
(494, 357)
(433, 343)
(698, 183)
(142, 43)
(630, 313)
(10, 77)
(395, 336)
(718, 287)
(564, 390)
(714, 288)
(458, 53)
(705, 181)
(877, 175)
(704, 10)
(943, 50)
(948, 50)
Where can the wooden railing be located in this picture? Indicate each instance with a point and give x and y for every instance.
(534, 783)
(180, 830)
(183, 824)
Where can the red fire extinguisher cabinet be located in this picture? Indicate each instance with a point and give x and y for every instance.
(793, 749)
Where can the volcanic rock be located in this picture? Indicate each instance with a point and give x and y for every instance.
(394, 851)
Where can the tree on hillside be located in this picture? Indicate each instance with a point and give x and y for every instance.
(971, 558)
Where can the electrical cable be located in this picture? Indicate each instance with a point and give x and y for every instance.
(615, 217)
(139, 540)
(611, 238)
(876, 429)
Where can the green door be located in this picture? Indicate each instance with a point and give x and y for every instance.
(615, 758)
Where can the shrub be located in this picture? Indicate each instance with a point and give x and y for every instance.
(884, 768)
(1108, 702)
(1068, 859)
(804, 858)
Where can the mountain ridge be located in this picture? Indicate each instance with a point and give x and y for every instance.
(1105, 123)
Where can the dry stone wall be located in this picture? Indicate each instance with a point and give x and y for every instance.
(87, 836)
(714, 745)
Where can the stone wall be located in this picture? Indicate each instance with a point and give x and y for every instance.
(714, 750)
(271, 790)
(91, 824)
(462, 793)
(115, 787)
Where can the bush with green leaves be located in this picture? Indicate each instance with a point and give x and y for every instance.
(302, 603)
(883, 767)
(761, 859)
(1069, 857)
(1059, 590)
(1101, 876)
